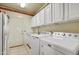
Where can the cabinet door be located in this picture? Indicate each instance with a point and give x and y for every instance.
(35, 21)
(58, 7)
(66, 11)
(38, 19)
(35, 46)
(41, 49)
(41, 17)
(73, 10)
(32, 22)
(53, 12)
(48, 14)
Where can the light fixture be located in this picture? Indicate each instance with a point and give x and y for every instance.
(22, 5)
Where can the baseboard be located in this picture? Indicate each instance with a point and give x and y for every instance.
(16, 46)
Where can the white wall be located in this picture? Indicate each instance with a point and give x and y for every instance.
(65, 27)
(17, 23)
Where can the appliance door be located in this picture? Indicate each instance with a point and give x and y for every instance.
(48, 49)
(0, 33)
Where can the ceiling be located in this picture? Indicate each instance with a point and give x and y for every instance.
(30, 8)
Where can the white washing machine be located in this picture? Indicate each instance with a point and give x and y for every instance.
(48, 49)
(67, 43)
(46, 46)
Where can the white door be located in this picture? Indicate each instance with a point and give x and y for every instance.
(73, 11)
(48, 14)
(0, 33)
(58, 12)
(41, 18)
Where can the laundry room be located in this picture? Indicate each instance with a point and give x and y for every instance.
(39, 29)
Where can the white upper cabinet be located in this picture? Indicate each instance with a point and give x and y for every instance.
(55, 13)
(58, 12)
(73, 11)
(33, 21)
(38, 19)
(48, 14)
(41, 16)
(66, 11)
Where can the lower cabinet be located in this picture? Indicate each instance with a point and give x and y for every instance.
(35, 46)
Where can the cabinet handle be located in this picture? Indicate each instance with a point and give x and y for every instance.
(36, 37)
(49, 45)
(41, 45)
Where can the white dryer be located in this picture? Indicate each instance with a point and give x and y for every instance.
(60, 43)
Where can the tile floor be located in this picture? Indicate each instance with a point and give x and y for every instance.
(21, 50)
